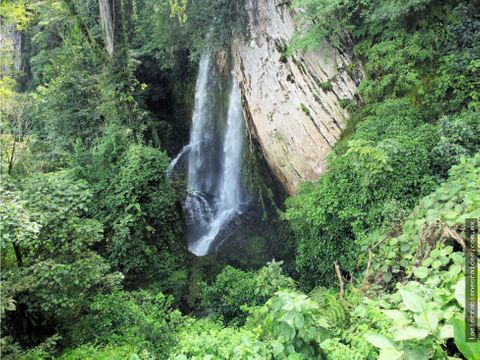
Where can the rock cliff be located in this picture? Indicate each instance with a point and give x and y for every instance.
(292, 103)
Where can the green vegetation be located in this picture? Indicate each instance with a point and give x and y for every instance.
(412, 124)
(94, 264)
(305, 109)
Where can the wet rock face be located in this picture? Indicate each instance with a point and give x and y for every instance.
(292, 103)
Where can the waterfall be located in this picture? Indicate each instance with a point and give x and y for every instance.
(17, 38)
(230, 186)
(230, 191)
(107, 23)
(216, 194)
(173, 164)
(202, 160)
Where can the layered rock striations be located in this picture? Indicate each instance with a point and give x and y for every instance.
(292, 103)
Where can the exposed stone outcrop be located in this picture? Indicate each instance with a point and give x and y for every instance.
(292, 103)
(11, 45)
(116, 19)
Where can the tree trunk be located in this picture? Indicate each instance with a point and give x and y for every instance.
(122, 10)
(16, 248)
(18, 255)
(12, 157)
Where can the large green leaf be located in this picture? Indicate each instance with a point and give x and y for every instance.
(390, 354)
(379, 341)
(411, 333)
(286, 331)
(445, 332)
(421, 272)
(471, 350)
(412, 301)
(396, 315)
(428, 320)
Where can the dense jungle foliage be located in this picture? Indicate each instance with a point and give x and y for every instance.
(93, 260)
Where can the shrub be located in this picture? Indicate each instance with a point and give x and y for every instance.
(56, 273)
(206, 339)
(234, 291)
(356, 194)
(143, 217)
(143, 321)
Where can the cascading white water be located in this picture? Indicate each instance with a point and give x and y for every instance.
(216, 194)
(230, 191)
(201, 158)
(174, 162)
(231, 194)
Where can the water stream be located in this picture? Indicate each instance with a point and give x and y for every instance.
(216, 194)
